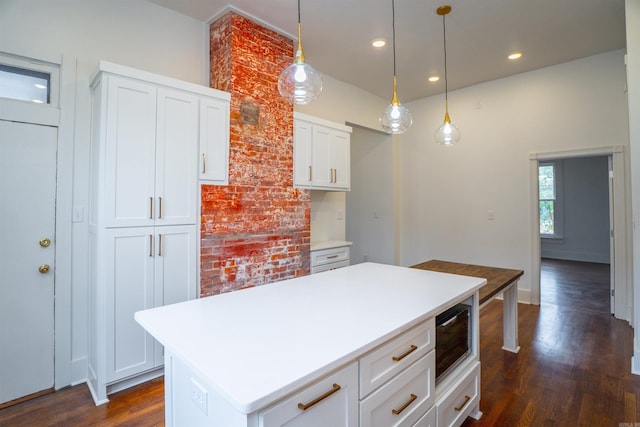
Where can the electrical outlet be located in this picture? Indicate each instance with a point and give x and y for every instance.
(199, 396)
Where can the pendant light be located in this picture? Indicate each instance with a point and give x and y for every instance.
(300, 83)
(395, 118)
(447, 134)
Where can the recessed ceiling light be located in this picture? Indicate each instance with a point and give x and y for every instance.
(379, 43)
(434, 79)
(515, 56)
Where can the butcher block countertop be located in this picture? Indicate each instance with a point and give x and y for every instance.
(260, 344)
(497, 278)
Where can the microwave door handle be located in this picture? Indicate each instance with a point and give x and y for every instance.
(448, 322)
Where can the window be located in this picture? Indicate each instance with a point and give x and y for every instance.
(549, 199)
(25, 85)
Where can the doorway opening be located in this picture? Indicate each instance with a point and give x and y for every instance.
(612, 226)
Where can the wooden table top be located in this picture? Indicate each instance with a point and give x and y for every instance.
(497, 278)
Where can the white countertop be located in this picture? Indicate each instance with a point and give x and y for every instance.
(260, 344)
(329, 244)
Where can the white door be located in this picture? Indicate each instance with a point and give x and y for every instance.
(27, 220)
(612, 254)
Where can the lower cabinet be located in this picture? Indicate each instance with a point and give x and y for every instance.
(461, 398)
(330, 258)
(145, 267)
(330, 402)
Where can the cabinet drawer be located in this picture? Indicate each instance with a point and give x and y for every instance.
(337, 408)
(428, 419)
(463, 396)
(327, 256)
(382, 364)
(330, 266)
(404, 399)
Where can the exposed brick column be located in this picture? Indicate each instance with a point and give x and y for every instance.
(256, 230)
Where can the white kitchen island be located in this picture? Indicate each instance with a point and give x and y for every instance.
(347, 347)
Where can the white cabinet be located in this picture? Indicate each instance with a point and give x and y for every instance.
(143, 214)
(330, 402)
(151, 137)
(329, 255)
(397, 380)
(214, 141)
(321, 154)
(144, 268)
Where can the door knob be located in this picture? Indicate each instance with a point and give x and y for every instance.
(45, 242)
(44, 268)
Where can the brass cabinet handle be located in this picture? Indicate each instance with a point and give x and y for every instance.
(159, 244)
(310, 173)
(150, 207)
(466, 400)
(45, 242)
(204, 162)
(405, 354)
(150, 244)
(159, 207)
(305, 406)
(332, 256)
(403, 407)
(44, 268)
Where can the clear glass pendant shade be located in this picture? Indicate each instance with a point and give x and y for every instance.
(447, 134)
(300, 83)
(396, 119)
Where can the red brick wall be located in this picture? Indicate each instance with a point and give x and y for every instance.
(256, 230)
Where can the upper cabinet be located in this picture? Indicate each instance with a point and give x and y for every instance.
(214, 141)
(155, 133)
(321, 154)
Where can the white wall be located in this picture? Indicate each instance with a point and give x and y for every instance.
(342, 103)
(632, 11)
(370, 205)
(446, 193)
(585, 211)
(130, 32)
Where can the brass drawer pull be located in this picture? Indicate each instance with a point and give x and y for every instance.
(150, 244)
(204, 163)
(405, 354)
(332, 256)
(150, 207)
(305, 406)
(466, 400)
(159, 244)
(403, 407)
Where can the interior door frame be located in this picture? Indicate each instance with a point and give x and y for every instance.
(59, 114)
(620, 263)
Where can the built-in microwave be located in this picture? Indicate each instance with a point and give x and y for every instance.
(453, 338)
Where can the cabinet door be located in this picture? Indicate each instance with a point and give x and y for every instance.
(214, 141)
(175, 266)
(130, 152)
(322, 157)
(176, 162)
(302, 152)
(334, 407)
(129, 288)
(341, 159)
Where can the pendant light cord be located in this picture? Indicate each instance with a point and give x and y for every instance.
(444, 37)
(393, 26)
(298, 11)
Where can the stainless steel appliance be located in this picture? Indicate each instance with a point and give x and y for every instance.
(453, 338)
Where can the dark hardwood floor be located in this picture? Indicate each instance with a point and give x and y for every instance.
(573, 368)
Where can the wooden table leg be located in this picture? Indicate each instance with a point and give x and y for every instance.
(510, 318)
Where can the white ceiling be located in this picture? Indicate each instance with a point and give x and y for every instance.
(337, 36)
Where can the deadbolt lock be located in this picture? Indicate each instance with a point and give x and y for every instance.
(45, 242)
(44, 268)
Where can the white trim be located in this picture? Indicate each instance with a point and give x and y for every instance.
(621, 226)
(64, 237)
